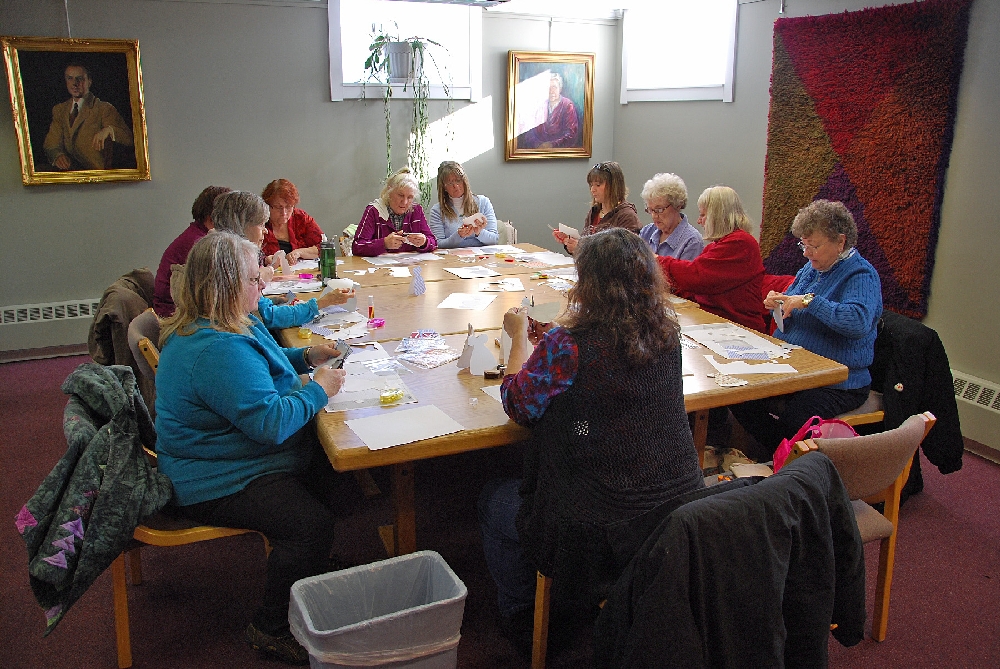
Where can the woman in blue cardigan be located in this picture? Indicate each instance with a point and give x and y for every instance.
(460, 217)
(832, 308)
(234, 413)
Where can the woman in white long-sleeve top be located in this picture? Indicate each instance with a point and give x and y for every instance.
(456, 202)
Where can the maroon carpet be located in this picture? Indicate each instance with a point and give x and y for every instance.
(196, 600)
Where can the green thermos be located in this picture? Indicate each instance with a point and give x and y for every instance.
(328, 260)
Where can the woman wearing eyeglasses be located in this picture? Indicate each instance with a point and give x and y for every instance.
(832, 308)
(725, 279)
(609, 209)
(234, 415)
(289, 229)
(669, 234)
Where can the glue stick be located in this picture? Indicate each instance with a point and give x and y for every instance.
(371, 307)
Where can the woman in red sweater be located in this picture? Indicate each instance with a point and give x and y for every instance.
(726, 278)
(289, 229)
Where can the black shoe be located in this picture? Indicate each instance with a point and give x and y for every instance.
(519, 628)
(284, 648)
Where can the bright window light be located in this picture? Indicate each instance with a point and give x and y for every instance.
(457, 28)
(679, 50)
(463, 135)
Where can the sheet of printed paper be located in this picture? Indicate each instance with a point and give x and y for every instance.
(472, 272)
(496, 248)
(475, 301)
(403, 427)
(282, 287)
(742, 367)
(733, 342)
(512, 285)
(362, 391)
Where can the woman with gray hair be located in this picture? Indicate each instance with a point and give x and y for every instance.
(669, 234)
(832, 308)
(393, 223)
(244, 214)
(234, 420)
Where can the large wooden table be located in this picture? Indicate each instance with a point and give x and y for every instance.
(486, 425)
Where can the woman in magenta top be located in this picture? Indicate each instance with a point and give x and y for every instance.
(393, 223)
(726, 278)
(289, 229)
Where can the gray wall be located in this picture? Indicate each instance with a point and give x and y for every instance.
(237, 94)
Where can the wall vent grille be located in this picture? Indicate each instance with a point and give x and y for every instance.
(977, 391)
(51, 311)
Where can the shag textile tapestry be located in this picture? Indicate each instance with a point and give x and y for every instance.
(863, 111)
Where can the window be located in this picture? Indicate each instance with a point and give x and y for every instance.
(457, 28)
(679, 50)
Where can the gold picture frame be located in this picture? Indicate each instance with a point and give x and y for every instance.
(550, 105)
(78, 109)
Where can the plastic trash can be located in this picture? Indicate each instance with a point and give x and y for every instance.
(402, 612)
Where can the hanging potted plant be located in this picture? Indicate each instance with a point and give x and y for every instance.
(392, 60)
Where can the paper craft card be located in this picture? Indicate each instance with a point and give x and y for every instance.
(475, 301)
(546, 257)
(494, 392)
(472, 272)
(568, 230)
(403, 427)
(384, 259)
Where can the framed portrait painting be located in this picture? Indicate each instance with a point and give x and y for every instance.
(78, 110)
(550, 105)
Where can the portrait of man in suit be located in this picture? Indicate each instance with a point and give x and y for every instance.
(84, 128)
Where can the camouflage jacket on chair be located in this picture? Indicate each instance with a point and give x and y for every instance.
(84, 513)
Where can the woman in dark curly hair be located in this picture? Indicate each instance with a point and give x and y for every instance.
(603, 395)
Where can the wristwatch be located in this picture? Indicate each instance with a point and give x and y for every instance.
(807, 298)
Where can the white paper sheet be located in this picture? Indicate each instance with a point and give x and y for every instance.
(381, 260)
(303, 265)
(472, 272)
(512, 285)
(740, 367)
(363, 391)
(547, 257)
(476, 301)
(403, 427)
(399, 271)
(494, 392)
(360, 354)
(568, 230)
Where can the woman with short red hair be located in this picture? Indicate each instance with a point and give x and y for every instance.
(289, 229)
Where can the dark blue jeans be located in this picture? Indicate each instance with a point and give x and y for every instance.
(510, 569)
(775, 418)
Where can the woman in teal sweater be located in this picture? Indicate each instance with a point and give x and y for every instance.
(832, 308)
(233, 423)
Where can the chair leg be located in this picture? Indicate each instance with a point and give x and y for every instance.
(540, 637)
(135, 565)
(120, 596)
(886, 562)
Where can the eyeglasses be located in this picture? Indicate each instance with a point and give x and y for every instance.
(255, 281)
(809, 247)
(658, 210)
(602, 167)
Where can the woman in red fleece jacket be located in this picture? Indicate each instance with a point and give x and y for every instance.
(726, 278)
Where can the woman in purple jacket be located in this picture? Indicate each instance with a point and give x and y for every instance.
(393, 223)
